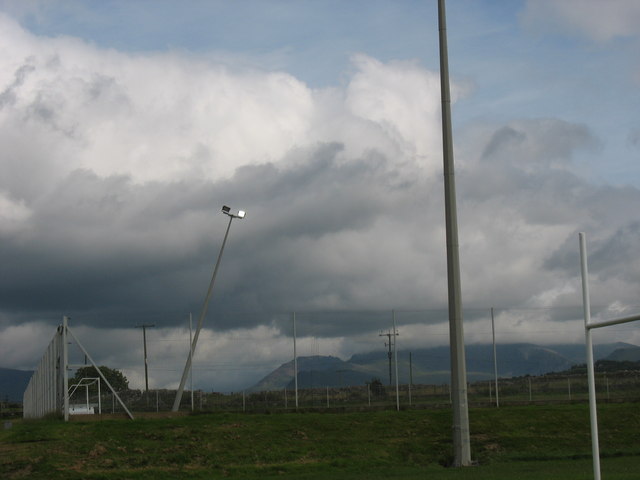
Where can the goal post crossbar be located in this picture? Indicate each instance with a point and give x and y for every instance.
(613, 321)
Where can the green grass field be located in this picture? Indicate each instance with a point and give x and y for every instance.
(529, 442)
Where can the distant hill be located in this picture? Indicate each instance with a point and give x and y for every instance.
(431, 365)
(13, 383)
(625, 354)
(281, 376)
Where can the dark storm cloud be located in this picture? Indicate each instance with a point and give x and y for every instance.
(518, 144)
(107, 247)
(502, 139)
(599, 210)
(616, 256)
(295, 216)
(317, 195)
(95, 240)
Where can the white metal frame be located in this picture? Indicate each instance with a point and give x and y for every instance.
(86, 382)
(588, 326)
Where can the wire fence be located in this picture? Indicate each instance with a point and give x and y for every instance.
(546, 389)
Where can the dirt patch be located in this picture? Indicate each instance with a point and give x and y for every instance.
(98, 450)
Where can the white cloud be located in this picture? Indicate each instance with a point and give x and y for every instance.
(156, 118)
(115, 165)
(168, 118)
(402, 100)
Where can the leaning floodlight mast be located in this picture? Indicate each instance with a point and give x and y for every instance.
(185, 374)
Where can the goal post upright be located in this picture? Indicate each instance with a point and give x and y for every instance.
(593, 413)
(588, 326)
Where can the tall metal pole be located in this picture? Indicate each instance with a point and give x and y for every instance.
(389, 346)
(203, 312)
(395, 360)
(144, 327)
(461, 438)
(191, 355)
(495, 357)
(410, 377)
(586, 302)
(295, 359)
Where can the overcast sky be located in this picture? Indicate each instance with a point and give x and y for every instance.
(125, 126)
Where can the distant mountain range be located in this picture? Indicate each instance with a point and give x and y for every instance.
(428, 366)
(431, 365)
(13, 383)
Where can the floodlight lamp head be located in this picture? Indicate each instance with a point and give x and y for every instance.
(239, 214)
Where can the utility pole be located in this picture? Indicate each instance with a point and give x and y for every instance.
(389, 345)
(395, 359)
(191, 357)
(410, 370)
(461, 436)
(144, 327)
(410, 376)
(495, 357)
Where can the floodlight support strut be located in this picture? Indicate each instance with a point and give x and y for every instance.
(203, 312)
